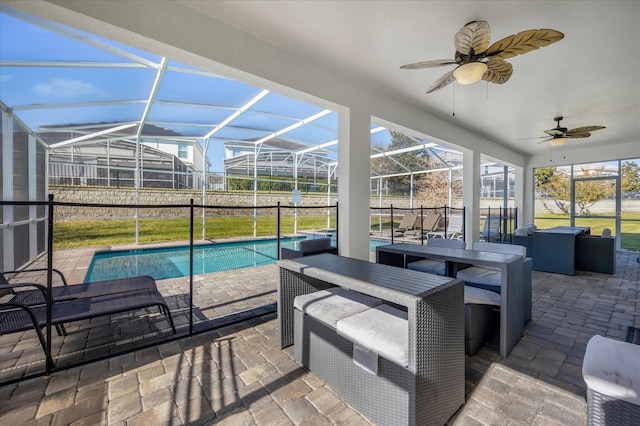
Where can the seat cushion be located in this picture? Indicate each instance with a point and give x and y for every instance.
(329, 306)
(384, 329)
(480, 275)
(428, 265)
(479, 296)
(612, 367)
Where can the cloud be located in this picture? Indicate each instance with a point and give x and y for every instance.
(5, 77)
(66, 88)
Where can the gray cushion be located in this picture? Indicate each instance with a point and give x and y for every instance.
(480, 275)
(429, 266)
(479, 296)
(612, 368)
(384, 329)
(314, 245)
(501, 248)
(441, 242)
(329, 306)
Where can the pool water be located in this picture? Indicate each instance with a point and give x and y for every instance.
(173, 262)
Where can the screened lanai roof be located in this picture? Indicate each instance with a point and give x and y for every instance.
(58, 79)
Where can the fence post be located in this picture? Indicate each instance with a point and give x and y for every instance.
(392, 231)
(278, 246)
(48, 360)
(421, 225)
(191, 268)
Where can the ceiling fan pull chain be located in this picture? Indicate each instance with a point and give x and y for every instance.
(453, 100)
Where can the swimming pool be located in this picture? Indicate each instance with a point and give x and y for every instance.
(173, 262)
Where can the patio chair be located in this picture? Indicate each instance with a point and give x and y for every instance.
(453, 231)
(17, 317)
(76, 291)
(492, 228)
(407, 223)
(428, 223)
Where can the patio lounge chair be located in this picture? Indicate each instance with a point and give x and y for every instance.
(428, 223)
(492, 228)
(76, 291)
(453, 231)
(406, 224)
(16, 317)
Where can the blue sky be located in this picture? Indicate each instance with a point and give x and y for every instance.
(116, 91)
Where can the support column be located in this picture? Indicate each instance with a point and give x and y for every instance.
(33, 196)
(354, 165)
(7, 190)
(519, 186)
(471, 195)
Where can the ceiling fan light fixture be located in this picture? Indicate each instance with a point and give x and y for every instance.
(558, 141)
(470, 73)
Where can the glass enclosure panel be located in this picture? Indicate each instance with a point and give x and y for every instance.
(20, 245)
(552, 189)
(630, 205)
(20, 173)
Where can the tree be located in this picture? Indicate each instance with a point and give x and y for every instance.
(400, 163)
(630, 174)
(588, 192)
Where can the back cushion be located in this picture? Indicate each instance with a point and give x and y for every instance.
(501, 248)
(317, 244)
(441, 242)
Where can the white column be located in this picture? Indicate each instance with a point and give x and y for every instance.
(519, 187)
(354, 150)
(7, 190)
(471, 195)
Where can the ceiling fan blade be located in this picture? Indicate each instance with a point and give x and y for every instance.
(498, 71)
(523, 42)
(585, 129)
(428, 64)
(555, 132)
(473, 38)
(528, 139)
(545, 140)
(441, 82)
(578, 135)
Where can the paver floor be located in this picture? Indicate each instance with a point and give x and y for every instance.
(237, 375)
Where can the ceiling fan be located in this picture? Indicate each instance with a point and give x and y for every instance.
(476, 60)
(558, 136)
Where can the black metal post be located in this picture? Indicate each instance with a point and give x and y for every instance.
(446, 222)
(464, 223)
(337, 210)
(392, 231)
(421, 225)
(278, 246)
(191, 268)
(47, 355)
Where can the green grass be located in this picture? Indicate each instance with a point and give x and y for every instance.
(629, 232)
(93, 233)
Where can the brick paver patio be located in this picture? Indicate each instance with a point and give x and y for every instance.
(237, 375)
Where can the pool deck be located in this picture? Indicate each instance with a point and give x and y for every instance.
(237, 375)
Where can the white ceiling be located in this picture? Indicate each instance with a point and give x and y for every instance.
(591, 77)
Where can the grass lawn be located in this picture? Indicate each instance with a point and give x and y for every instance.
(93, 233)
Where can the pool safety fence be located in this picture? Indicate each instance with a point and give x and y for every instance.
(53, 361)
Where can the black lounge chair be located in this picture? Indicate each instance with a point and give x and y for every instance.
(76, 291)
(16, 317)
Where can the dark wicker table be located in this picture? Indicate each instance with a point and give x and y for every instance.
(435, 381)
(512, 271)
